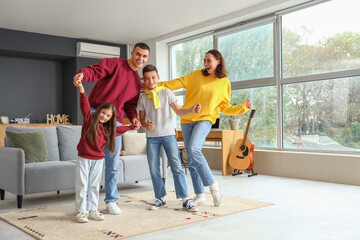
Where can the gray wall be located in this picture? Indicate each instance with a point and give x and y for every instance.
(30, 86)
(36, 73)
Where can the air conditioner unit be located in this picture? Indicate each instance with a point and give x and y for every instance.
(90, 50)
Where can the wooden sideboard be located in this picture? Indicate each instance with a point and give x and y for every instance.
(4, 126)
(228, 140)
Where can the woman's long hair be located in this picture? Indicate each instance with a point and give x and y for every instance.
(109, 126)
(220, 71)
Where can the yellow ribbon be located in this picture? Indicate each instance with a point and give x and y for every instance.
(152, 94)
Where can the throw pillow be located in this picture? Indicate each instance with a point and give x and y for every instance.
(134, 143)
(69, 137)
(33, 144)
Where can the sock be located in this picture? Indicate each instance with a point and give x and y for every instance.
(212, 185)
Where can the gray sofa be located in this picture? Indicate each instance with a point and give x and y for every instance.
(58, 173)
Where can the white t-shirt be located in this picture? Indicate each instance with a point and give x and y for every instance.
(162, 117)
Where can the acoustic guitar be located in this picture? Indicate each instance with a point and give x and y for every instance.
(242, 157)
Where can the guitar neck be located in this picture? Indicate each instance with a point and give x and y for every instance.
(246, 132)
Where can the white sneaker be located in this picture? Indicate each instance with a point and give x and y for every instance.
(215, 193)
(112, 208)
(96, 215)
(81, 217)
(199, 199)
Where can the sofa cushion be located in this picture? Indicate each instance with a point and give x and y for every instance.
(136, 168)
(134, 143)
(69, 137)
(50, 135)
(49, 176)
(33, 144)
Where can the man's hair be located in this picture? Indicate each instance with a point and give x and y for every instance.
(149, 68)
(142, 45)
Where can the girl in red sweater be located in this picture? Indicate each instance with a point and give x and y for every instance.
(98, 130)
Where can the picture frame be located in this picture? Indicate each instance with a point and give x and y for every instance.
(4, 119)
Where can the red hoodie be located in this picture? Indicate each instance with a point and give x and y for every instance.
(85, 148)
(117, 83)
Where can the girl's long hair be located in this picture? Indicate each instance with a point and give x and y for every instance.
(109, 126)
(220, 71)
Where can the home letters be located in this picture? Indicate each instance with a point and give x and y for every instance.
(57, 119)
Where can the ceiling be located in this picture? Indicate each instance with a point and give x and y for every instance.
(121, 21)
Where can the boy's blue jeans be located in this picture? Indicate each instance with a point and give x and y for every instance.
(194, 137)
(169, 143)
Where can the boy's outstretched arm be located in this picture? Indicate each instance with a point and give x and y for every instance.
(182, 112)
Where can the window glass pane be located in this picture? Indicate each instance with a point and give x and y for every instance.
(249, 54)
(322, 115)
(262, 130)
(322, 38)
(188, 56)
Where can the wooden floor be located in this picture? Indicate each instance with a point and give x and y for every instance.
(303, 210)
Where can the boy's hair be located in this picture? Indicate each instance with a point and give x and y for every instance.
(109, 126)
(142, 46)
(220, 71)
(149, 68)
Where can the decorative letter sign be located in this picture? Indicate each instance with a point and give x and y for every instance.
(57, 119)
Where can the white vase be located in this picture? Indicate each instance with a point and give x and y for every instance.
(234, 124)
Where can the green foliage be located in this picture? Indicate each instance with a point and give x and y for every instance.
(191, 56)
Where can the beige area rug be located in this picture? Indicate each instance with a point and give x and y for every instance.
(58, 222)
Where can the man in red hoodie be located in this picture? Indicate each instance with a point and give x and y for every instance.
(118, 82)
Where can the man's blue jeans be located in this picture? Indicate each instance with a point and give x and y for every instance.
(194, 137)
(112, 169)
(169, 143)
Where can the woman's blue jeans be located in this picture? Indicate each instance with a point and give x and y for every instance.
(169, 143)
(194, 137)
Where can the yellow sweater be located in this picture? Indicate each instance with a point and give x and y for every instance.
(212, 93)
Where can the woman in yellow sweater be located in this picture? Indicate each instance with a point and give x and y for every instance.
(211, 88)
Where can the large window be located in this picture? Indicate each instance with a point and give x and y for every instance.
(188, 56)
(263, 125)
(249, 53)
(321, 39)
(322, 115)
(301, 69)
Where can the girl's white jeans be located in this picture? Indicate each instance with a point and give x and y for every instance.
(88, 176)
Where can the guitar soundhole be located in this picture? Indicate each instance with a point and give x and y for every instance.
(245, 150)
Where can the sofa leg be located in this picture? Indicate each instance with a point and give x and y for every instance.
(2, 194)
(163, 180)
(19, 201)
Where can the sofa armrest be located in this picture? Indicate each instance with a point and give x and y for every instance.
(12, 170)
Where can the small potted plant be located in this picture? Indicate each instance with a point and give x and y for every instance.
(234, 122)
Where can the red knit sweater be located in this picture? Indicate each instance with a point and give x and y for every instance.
(85, 148)
(117, 83)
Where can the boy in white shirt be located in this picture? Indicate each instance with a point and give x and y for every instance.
(155, 109)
